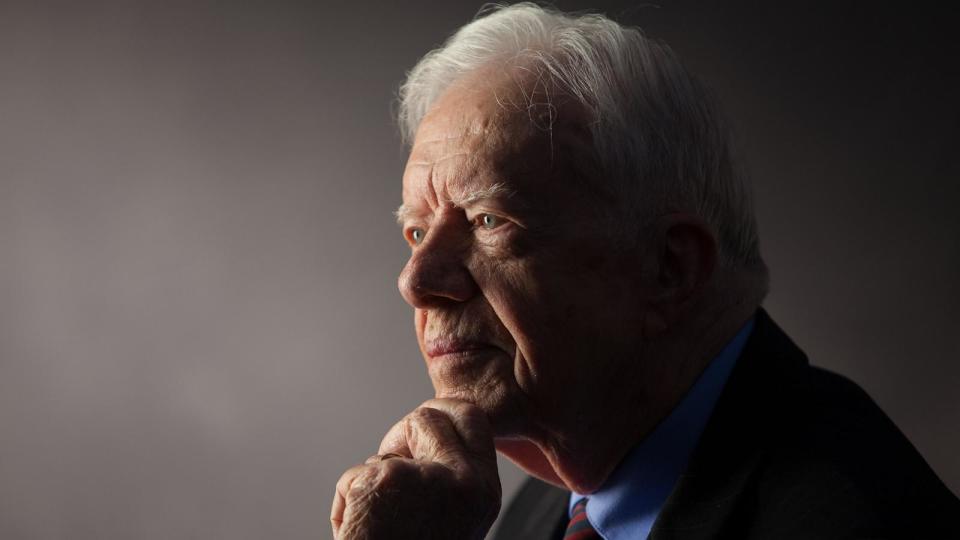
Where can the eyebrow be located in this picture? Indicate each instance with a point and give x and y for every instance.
(496, 190)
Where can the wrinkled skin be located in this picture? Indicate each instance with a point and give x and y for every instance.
(444, 485)
(529, 315)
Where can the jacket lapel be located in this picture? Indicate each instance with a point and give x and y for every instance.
(732, 445)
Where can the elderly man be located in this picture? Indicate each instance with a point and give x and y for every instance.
(586, 282)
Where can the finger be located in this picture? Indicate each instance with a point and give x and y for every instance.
(428, 434)
(336, 513)
(344, 485)
(470, 423)
(381, 457)
(395, 442)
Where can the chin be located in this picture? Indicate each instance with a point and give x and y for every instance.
(503, 408)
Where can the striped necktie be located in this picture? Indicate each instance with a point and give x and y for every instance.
(579, 528)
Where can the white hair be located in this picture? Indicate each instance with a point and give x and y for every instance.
(657, 132)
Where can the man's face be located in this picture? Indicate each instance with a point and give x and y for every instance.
(523, 303)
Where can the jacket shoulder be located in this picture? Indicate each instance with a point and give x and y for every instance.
(795, 451)
(834, 461)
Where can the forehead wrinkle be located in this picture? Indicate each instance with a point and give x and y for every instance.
(457, 151)
(431, 163)
(461, 128)
(405, 212)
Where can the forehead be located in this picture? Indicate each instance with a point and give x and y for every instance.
(491, 128)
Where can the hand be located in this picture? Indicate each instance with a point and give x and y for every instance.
(443, 484)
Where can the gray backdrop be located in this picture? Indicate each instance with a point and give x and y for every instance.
(199, 322)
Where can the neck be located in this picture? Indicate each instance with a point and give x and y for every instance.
(582, 454)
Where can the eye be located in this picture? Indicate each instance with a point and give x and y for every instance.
(489, 221)
(417, 234)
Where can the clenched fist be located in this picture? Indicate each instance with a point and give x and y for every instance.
(435, 477)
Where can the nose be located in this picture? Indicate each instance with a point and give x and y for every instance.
(436, 274)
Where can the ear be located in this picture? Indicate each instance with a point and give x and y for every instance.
(683, 259)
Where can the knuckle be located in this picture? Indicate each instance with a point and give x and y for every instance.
(391, 473)
(343, 484)
(410, 430)
(444, 453)
(421, 425)
(428, 415)
(359, 489)
(379, 480)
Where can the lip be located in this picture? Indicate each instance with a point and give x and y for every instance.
(454, 346)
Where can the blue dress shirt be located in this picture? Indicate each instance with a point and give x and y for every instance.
(629, 501)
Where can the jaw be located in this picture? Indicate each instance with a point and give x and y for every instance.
(555, 464)
(530, 458)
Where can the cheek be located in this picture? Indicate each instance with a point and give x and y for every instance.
(548, 301)
(502, 280)
(512, 294)
(565, 316)
(530, 305)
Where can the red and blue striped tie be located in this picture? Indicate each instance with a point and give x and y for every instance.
(579, 528)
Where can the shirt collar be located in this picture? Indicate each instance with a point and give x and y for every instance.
(628, 502)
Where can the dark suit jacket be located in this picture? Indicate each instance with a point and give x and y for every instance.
(790, 451)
